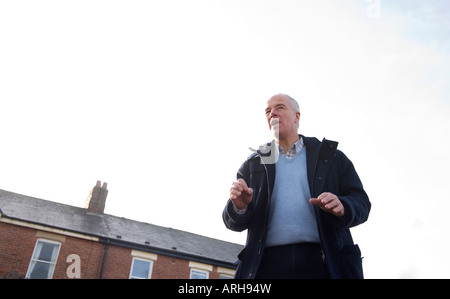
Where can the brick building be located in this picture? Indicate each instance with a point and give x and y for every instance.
(44, 239)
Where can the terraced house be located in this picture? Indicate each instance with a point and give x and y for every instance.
(44, 239)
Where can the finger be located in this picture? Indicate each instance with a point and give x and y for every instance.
(315, 201)
(237, 186)
(335, 207)
(339, 211)
(242, 183)
(249, 191)
(326, 197)
(332, 204)
(234, 197)
(235, 190)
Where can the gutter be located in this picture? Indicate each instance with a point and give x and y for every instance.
(167, 252)
(104, 258)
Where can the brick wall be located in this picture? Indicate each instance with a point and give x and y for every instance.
(16, 247)
(167, 266)
(17, 244)
(90, 254)
(117, 263)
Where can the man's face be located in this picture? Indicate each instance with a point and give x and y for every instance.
(281, 118)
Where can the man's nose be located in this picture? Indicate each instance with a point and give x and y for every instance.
(273, 113)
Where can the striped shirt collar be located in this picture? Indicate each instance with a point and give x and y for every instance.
(295, 148)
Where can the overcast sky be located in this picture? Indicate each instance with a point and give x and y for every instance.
(161, 100)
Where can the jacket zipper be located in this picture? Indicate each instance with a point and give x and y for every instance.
(267, 178)
(322, 253)
(268, 191)
(268, 204)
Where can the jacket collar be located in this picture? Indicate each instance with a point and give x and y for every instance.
(265, 149)
(312, 144)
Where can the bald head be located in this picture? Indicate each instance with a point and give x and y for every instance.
(283, 116)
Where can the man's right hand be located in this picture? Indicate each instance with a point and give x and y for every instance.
(241, 194)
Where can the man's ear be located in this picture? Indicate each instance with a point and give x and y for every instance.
(297, 116)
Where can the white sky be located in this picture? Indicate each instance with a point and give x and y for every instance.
(161, 100)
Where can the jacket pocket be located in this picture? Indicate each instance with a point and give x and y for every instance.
(238, 273)
(241, 254)
(351, 262)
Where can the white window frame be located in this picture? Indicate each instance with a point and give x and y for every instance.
(225, 273)
(150, 270)
(200, 272)
(34, 258)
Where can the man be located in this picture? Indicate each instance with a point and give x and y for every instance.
(297, 197)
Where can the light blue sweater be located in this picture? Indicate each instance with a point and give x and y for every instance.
(292, 219)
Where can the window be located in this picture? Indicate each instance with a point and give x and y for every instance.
(44, 258)
(199, 270)
(225, 273)
(199, 274)
(141, 269)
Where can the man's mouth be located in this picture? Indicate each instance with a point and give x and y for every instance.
(274, 122)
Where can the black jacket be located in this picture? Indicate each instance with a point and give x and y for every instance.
(329, 170)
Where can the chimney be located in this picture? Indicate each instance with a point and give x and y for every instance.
(95, 203)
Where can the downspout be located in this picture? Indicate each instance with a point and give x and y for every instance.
(104, 258)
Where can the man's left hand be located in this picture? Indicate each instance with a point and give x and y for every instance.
(330, 203)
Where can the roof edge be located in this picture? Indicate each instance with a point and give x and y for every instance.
(166, 252)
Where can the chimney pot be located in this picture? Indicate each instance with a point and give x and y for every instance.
(95, 203)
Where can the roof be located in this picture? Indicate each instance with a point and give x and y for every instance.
(132, 233)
